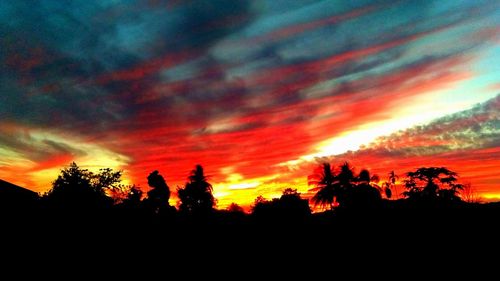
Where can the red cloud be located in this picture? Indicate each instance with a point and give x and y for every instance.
(254, 141)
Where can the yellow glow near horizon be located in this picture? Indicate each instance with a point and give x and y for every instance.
(490, 196)
(87, 155)
(243, 191)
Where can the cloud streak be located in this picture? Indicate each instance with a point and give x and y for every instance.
(240, 86)
(467, 142)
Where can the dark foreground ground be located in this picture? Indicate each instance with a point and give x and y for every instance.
(391, 222)
(369, 242)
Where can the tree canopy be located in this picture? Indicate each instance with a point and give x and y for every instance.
(196, 196)
(80, 188)
(430, 183)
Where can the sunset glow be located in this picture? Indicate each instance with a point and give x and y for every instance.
(258, 92)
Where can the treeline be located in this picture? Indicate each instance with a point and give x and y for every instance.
(93, 212)
(335, 188)
(95, 206)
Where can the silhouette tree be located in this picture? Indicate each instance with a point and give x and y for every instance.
(325, 181)
(234, 213)
(387, 188)
(261, 208)
(345, 188)
(432, 183)
(260, 199)
(134, 195)
(196, 197)
(346, 181)
(390, 185)
(159, 194)
(364, 193)
(105, 179)
(469, 194)
(235, 208)
(290, 192)
(364, 177)
(129, 194)
(333, 188)
(290, 206)
(128, 201)
(77, 188)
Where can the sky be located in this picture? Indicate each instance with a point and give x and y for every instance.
(258, 92)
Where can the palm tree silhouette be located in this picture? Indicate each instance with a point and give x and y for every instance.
(196, 196)
(392, 179)
(345, 188)
(324, 181)
(331, 188)
(364, 177)
(363, 190)
(389, 185)
(345, 181)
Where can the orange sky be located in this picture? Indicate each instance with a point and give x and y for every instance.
(258, 92)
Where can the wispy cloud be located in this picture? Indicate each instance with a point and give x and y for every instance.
(245, 85)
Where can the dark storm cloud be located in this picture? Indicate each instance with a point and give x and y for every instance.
(205, 22)
(58, 51)
(54, 50)
(166, 82)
